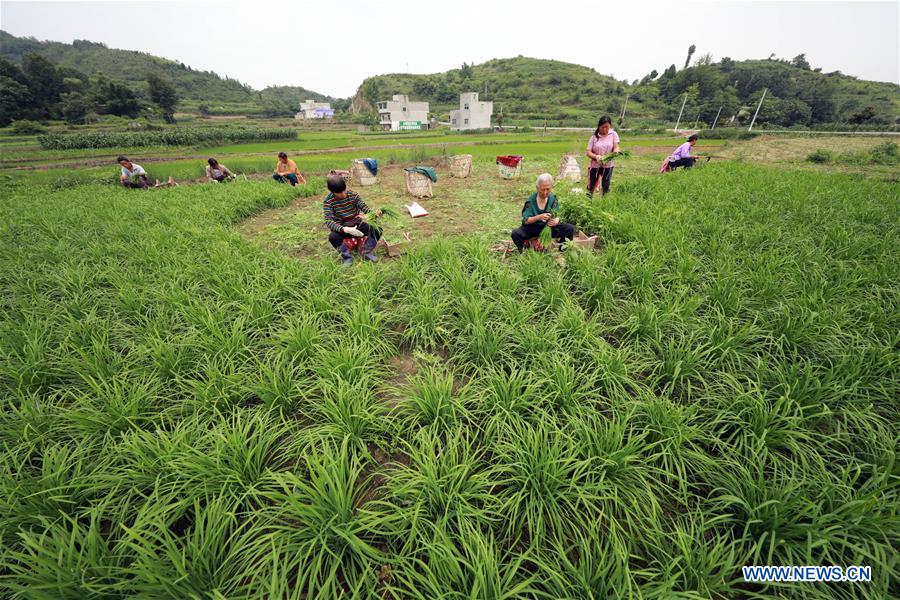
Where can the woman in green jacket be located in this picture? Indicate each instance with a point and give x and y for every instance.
(538, 212)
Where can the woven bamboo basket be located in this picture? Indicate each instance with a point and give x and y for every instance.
(509, 172)
(461, 165)
(361, 173)
(568, 168)
(418, 185)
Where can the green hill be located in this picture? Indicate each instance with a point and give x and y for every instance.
(132, 68)
(527, 88)
(796, 95)
(561, 93)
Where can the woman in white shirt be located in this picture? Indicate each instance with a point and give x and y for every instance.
(134, 176)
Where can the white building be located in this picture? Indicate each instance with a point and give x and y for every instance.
(314, 110)
(399, 113)
(472, 113)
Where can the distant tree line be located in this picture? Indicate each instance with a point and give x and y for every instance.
(40, 90)
(797, 95)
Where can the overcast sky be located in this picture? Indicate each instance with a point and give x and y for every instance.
(330, 46)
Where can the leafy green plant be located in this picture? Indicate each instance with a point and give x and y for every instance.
(819, 156)
(26, 127)
(886, 153)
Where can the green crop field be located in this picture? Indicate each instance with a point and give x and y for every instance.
(198, 401)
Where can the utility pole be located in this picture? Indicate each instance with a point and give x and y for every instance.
(485, 89)
(757, 109)
(624, 106)
(717, 118)
(679, 113)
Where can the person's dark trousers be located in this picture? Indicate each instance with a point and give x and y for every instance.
(141, 183)
(687, 163)
(285, 178)
(336, 238)
(563, 231)
(601, 173)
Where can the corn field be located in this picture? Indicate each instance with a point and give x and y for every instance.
(177, 136)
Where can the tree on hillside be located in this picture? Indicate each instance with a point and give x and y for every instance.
(162, 94)
(704, 60)
(691, 49)
(466, 71)
(800, 62)
(669, 73)
(864, 116)
(76, 107)
(115, 98)
(45, 83)
(819, 95)
(14, 100)
(648, 77)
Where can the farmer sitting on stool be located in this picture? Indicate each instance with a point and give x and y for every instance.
(537, 213)
(286, 171)
(345, 216)
(682, 155)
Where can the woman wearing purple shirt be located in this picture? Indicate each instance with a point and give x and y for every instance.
(682, 155)
(604, 141)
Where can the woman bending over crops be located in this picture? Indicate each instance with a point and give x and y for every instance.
(604, 142)
(286, 171)
(539, 213)
(134, 176)
(345, 217)
(217, 173)
(682, 156)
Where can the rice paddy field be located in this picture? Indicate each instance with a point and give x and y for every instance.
(197, 401)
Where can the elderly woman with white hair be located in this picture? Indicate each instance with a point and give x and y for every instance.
(539, 212)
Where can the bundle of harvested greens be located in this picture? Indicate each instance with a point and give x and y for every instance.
(545, 237)
(375, 217)
(612, 155)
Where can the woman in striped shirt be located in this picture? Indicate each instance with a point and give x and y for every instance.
(345, 216)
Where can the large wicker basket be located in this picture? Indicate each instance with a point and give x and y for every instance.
(461, 165)
(568, 168)
(418, 185)
(361, 173)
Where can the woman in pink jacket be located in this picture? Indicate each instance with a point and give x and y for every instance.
(603, 142)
